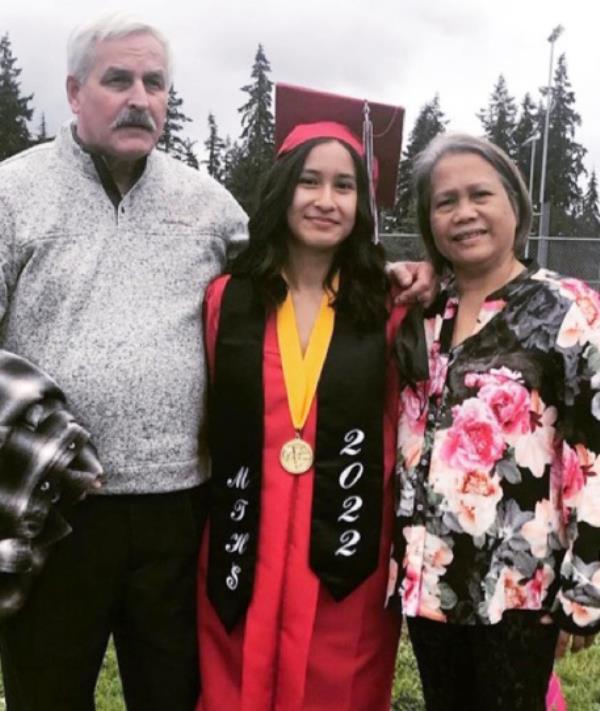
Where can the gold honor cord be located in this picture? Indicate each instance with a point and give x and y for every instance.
(301, 375)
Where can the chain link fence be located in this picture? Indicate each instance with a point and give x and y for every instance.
(572, 256)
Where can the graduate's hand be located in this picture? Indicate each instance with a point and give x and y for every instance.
(414, 282)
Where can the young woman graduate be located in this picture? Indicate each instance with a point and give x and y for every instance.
(294, 567)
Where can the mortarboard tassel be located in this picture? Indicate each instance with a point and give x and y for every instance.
(370, 164)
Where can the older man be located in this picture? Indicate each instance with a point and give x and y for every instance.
(106, 246)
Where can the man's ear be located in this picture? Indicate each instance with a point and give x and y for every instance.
(73, 89)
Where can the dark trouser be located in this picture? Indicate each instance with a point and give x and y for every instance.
(502, 667)
(128, 568)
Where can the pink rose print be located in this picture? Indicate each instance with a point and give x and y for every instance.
(506, 398)
(582, 614)
(474, 501)
(588, 503)
(451, 309)
(574, 328)
(413, 406)
(438, 367)
(474, 442)
(535, 448)
(477, 483)
(425, 562)
(411, 424)
(587, 299)
(536, 531)
(513, 593)
(573, 478)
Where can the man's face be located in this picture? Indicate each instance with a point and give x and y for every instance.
(122, 104)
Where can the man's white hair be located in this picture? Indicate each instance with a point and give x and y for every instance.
(81, 45)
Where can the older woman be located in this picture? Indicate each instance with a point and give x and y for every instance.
(498, 512)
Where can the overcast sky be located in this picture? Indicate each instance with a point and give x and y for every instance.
(395, 51)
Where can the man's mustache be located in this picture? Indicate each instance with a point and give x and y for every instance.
(134, 118)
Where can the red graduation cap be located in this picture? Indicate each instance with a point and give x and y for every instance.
(302, 114)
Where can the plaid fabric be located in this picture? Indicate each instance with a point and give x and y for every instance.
(45, 457)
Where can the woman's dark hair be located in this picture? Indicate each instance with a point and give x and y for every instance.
(458, 143)
(361, 263)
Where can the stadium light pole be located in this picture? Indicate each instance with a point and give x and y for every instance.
(543, 246)
(531, 141)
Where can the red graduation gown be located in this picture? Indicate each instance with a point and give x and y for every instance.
(297, 649)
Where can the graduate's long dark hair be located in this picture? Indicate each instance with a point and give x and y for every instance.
(363, 283)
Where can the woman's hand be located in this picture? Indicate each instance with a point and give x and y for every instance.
(414, 282)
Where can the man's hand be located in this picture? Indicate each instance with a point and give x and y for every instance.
(415, 282)
(575, 641)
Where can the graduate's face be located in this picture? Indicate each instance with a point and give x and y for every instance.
(323, 208)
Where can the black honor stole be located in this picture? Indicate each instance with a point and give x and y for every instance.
(348, 489)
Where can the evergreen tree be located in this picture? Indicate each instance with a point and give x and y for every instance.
(429, 122)
(499, 119)
(170, 140)
(234, 173)
(15, 111)
(215, 147)
(256, 140)
(529, 125)
(188, 154)
(230, 158)
(42, 133)
(588, 224)
(565, 155)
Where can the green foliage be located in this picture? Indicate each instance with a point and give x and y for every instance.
(42, 133)
(580, 679)
(565, 155)
(406, 691)
(15, 111)
(429, 122)
(109, 693)
(257, 118)
(529, 125)
(215, 148)
(251, 158)
(588, 222)
(499, 118)
(170, 141)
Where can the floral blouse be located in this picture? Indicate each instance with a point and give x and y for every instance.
(498, 496)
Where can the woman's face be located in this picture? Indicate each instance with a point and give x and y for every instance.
(323, 208)
(472, 219)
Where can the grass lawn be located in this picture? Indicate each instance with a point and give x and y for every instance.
(580, 676)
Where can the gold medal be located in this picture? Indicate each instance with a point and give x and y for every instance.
(296, 456)
(301, 375)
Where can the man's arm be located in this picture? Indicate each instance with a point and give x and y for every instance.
(235, 228)
(413, 282)
(7, 261)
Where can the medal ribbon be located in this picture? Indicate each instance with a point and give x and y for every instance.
(301, 373)
(348, 461)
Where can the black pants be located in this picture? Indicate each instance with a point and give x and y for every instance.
(128, 568)
(502, 667)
